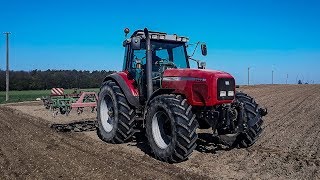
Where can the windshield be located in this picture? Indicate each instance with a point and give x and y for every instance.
(170, 51)
(162, 51)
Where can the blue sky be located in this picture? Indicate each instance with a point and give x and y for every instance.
(87, 35)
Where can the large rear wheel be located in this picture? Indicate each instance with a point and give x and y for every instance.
(171, 128)
(115, 116)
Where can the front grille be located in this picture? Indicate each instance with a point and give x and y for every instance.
(225, 84)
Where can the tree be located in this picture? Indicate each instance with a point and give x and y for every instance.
(39, 80)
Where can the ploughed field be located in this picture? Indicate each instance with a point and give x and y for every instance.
(289, 147)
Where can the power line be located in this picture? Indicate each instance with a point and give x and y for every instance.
(7, 69)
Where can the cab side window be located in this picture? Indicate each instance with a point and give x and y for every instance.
(138, 55)
(125, 60)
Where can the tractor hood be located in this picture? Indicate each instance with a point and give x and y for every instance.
(196, 73)
(201, 87)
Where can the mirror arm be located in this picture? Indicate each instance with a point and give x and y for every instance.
(195, 48)
(198, 61)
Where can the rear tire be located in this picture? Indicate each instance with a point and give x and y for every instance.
(171, 128)
(254, 121)
(115, 116)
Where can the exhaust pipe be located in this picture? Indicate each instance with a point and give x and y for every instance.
(148, 64)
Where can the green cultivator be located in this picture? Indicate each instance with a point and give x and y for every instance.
(64, 103)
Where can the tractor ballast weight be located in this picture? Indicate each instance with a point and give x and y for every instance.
(157, 90)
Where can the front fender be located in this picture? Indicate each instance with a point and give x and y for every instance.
(159, 92)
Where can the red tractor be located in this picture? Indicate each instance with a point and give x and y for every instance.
(159, 92)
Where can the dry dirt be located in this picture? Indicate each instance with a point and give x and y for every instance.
(289, 147)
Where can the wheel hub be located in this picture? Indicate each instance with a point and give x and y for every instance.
(107, 113)
(161, 129)
(110, 112)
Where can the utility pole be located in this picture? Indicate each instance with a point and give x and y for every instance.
(287, 79)
(272, 77)
(248, 76)
(7, 70)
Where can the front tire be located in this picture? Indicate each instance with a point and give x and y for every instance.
(171, 128)
(115, 116)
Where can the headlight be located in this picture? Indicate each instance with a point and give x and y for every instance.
(184, 39)
(225, 89)
(223, 93)
(230, 93)
(154, 36)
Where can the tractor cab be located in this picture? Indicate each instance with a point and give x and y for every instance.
(165, 52)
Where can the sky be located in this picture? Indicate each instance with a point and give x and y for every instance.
(266, 35)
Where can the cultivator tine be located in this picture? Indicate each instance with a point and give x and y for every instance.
(79, 126)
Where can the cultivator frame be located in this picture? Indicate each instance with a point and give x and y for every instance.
(64, 103)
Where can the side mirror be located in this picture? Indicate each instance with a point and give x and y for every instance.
(135, 43)
(204, 49)
(202, 65)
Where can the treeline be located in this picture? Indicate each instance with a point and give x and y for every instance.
(40, 80)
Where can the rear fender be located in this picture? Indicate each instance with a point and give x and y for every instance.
(128, 89)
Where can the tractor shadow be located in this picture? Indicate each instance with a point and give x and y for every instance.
(140, 140)
(206, 143)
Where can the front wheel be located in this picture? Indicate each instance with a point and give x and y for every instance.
(254, 121)
(171, 128)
